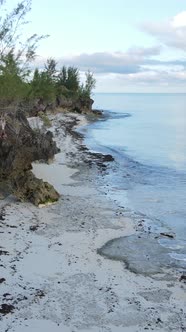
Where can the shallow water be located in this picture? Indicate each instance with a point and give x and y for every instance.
(146, 133)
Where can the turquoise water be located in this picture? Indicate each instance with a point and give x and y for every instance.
(155, 133)
(146, 133)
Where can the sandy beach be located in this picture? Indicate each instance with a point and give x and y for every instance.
(52, 278)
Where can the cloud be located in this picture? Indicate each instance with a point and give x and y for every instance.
(151, 81)
(134, 60)
(117, 62)
(160, 77)
(138, 67)
(143, 52)
(102, 62)
(179, 20)
(171, 32)
(105, 62)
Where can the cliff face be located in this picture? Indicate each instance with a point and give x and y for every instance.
(80, 105)
(18, 150)
(72, 104)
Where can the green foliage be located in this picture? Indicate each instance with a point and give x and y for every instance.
(12, 86)
(42, 86)
(50, 69)
(49, 84)
(68, 81)
(62, 76)
(10, 37)
(72, 81)
(85, 90)
(15, 57)
(15, 52)
(45, 119)
(90, 83)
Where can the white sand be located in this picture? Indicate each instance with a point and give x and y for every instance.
(56, 174)
(54, 277)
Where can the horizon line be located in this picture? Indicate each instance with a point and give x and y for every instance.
(162, 93)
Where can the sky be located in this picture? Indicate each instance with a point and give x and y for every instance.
(129, 45)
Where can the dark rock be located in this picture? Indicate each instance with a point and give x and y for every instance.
(34, 228)
(97, 112)
(2, 216)
(6, 308)
(167, 235)
(28, 187)
(183, 277)
(101, 157)
(65, 101)
(79, 105)
(83, 105)
(4, 252)
(2, 280)
(107, 158)
(22, 146)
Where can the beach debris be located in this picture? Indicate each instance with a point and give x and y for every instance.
(2, 280)
(183, 277)
(171, 236)
(6, 308)
(39, 293)
(4, 252)
(2, 215)
(158, 320)
(34, 228)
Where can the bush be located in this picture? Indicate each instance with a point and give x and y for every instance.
(45, 119)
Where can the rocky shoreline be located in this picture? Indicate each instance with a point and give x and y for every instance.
(51, 275)
(18, 150)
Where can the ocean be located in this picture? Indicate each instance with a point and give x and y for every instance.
(146, 134)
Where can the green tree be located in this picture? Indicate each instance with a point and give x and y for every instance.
(62, 76)
(15, 52)
(10, 33)
(12, 86)
(50, 69)
(90, 83)
(42, 87)
(72, 81)
(86, 89)
(68, 82)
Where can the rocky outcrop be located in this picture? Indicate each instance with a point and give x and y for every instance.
(18, 150)
(83, 105)
(79, 105)
(38, 192)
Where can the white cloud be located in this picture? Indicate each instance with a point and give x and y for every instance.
(116, 62)
(152, 81)
(171, 32)
(159, 77)
(105, 62)
(179, 20)
(137, 68)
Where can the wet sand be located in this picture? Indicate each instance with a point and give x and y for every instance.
(52, 277)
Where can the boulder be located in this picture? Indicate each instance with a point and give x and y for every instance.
(28, 187)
